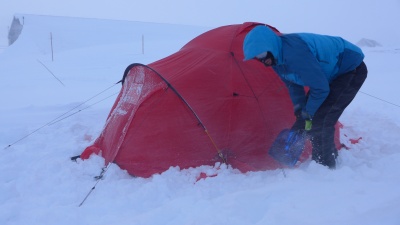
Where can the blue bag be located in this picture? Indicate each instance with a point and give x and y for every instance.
(288, 147)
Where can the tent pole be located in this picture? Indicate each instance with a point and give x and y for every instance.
(183, 100)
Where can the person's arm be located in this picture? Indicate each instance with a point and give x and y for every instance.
(309, 72)
(297, 95)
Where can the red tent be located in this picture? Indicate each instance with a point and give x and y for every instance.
(198, 106)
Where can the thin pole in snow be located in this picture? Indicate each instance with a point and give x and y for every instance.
(142, 44)
(284, 172)
(51, 45)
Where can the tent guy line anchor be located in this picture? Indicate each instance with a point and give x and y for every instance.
(98, 179)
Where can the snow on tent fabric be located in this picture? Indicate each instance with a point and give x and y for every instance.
(198, 106)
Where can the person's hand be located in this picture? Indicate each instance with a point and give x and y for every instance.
(308, 125)
(299, 123)
(308, 120)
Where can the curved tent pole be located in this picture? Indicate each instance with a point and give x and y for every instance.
(220, 154)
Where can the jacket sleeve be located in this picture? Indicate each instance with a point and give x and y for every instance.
(306, 66)
(297, 95)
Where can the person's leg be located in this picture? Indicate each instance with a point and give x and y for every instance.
(342, 91)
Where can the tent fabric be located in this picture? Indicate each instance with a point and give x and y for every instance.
(199, 106)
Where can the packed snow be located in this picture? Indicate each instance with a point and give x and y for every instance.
(58, 83)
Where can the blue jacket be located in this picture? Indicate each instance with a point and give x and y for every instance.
(304, 60)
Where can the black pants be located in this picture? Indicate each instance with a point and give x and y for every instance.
(342, 91)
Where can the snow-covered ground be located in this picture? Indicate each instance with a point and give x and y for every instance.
(51, 109)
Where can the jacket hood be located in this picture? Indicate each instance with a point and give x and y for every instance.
(262, 39)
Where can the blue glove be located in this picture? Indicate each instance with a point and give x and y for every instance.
(299, 123)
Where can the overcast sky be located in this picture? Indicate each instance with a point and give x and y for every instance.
(334, 17)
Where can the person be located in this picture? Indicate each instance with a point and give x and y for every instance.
(330, 67)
